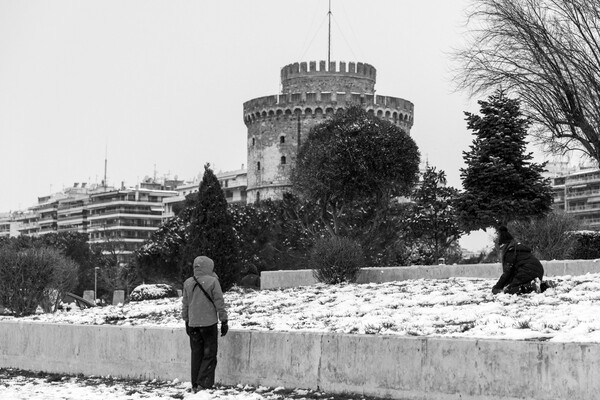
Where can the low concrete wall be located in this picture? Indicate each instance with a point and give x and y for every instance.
(399, 367)
(304, 277)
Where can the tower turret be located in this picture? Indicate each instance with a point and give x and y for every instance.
(353, 77)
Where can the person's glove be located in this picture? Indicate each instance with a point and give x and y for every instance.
(224, 328)
(496, 290)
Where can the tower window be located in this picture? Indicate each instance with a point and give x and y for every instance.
(283, 160)
(253, 141)
(258, 166)
(281, 139)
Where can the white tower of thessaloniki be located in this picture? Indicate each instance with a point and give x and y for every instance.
(277, 124)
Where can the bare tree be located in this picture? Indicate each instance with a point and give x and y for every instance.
(547, 53)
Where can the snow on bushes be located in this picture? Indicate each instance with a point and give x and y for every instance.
(336, 259)
(153, 292)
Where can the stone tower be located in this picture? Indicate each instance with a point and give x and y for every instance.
(277, 124)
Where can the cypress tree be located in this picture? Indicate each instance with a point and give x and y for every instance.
(210, 232)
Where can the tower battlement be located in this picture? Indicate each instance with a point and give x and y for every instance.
(351, 68)
(357, 77)
(397, 110)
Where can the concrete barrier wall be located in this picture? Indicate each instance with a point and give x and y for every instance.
(399, 367)
(286, 279)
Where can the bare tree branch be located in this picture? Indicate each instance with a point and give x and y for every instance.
(546, 52)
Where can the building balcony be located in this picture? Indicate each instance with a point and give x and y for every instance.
(44, 209)
(102, 203)
(121, 227)
(120, 215)
(583, 194)
(71, 220)
(574, 180)
(27, 226)
(70, 228)
(71, 210)
(592, 208)
(139, 241)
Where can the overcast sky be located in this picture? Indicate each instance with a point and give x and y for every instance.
(158, 86)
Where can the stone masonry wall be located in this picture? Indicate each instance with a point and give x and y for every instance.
(265, 147)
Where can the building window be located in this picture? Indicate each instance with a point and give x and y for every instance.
(257, 197)
(258, 166)
(253, 141)
(282, 139)
(283, 160)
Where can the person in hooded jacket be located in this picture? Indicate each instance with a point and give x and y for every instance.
(522, 272)
(203, 307)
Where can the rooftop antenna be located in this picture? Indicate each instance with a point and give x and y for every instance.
(329, 37)
(105, 164)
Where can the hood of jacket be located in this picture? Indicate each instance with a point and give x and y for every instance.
(203, 266)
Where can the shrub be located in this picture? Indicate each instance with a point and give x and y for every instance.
(336, 260)
(550, 237)
(153, 292)
(34, 276)
(587, 246)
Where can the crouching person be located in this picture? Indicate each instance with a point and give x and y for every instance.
(522, 272)
(203, 307)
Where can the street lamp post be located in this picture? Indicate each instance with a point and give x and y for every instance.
(95, 282)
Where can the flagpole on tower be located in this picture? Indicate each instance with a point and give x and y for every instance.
(329, 37)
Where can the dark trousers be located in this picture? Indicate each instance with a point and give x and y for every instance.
(204, 343)
(520, 284)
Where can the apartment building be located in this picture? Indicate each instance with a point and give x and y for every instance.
(124, 218)
(233, 183)
(71, 214)
(578, 193)
(6, 224)
(46, 209)
(26, 223)
(120, 218)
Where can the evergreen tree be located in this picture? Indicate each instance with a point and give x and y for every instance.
(433, 222)
(355, 160)
(500, 182)
(210, 232)
(158, 259)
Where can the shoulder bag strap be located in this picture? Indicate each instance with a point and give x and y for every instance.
(203, 291)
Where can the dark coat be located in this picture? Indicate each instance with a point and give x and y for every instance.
(519, 266)
(251, 279)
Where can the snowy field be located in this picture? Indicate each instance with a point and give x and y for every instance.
(456, 307)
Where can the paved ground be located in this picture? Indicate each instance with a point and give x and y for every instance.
(18, 384)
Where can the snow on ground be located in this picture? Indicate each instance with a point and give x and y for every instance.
(25, 385)
(455, 307)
